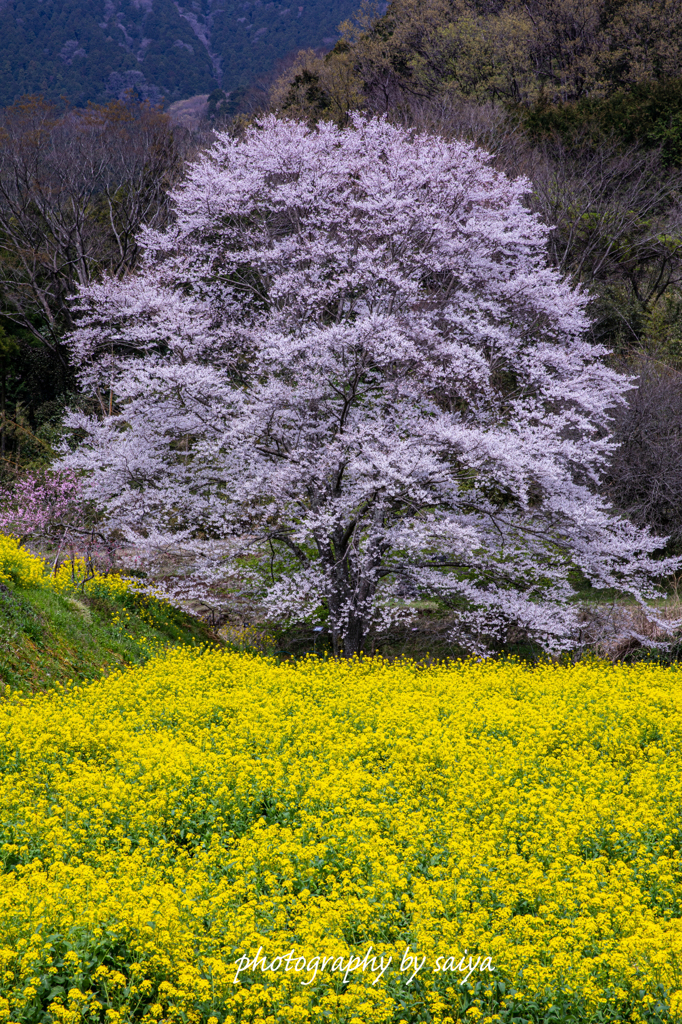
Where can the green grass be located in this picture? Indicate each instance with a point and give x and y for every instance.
(47, 637)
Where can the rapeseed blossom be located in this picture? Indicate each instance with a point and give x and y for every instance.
(162, 824)
(20, 568)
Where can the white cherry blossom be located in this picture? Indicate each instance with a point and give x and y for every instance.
(350, 349)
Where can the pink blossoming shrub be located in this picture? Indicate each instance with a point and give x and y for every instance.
(53, 508)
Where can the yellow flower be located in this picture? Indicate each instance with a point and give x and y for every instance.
(312, 822)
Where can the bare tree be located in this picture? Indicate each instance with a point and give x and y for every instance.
(75, 188)
(616, 212)
(645, 477)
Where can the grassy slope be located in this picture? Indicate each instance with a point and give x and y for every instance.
(45, 636)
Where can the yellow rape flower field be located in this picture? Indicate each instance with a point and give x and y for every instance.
(214, 837)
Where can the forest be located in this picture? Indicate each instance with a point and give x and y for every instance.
(95, 51)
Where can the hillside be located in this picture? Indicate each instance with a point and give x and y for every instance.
(97, 49)
(59, 628)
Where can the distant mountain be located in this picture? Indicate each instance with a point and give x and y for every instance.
(97, 49)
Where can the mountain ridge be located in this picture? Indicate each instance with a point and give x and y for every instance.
(165, 50)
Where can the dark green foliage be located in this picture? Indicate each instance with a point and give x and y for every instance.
(216, 104)
(34, 387)
(315, 96)
(222, 108)
(648, 114)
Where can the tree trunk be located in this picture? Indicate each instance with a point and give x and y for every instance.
(352, 641)
(346, 640)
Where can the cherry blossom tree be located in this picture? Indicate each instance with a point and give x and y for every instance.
(350, 351)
